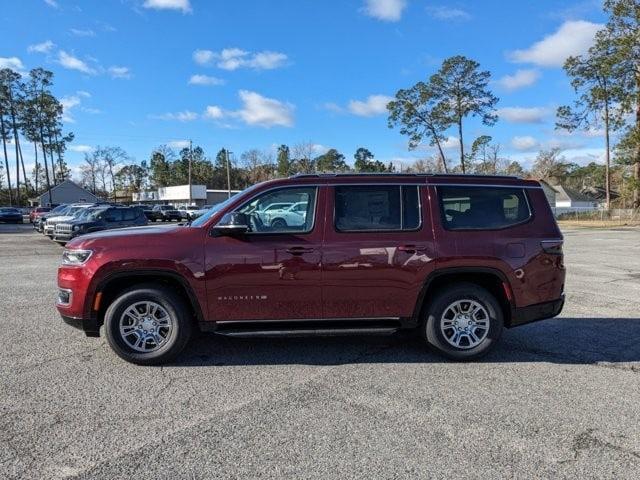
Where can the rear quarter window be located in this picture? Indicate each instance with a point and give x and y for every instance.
(483, 208)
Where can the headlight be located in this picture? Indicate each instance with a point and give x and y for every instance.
(76, 228)
(75, 257)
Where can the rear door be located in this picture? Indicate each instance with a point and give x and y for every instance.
(378, 250)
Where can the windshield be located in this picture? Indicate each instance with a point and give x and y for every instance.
(59, 209)
(93, 214)
(202, 219)
(89, 213)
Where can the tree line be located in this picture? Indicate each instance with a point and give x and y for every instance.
(30, 112)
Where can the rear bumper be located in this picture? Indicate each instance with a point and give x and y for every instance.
(533, 313)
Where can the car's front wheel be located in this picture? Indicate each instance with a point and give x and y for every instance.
(463, 322)
(148, 325)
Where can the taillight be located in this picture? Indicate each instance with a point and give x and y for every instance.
(552, 247)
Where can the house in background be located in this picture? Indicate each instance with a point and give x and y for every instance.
(571, 199)
(64, 192)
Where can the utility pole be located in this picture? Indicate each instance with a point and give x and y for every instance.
(227, 152)
(190, 160)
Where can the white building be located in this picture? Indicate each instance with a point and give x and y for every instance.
(178, 195)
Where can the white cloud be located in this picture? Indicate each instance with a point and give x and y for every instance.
(81, 148)
(524, 143)
(448, 13)
(179, 144)
(523, 114)
(14, 63)
(119, 72)
(373, 105)
(44, 47)
(69, 102)
(82, 32)
(450, 143)
(574, 37)
(203, 57)
(205, 80)
(183, 5)
(184, 116)
(234, 58)
(264, 112)
(74, 63)
(388, 10)
(213, 112)
(520, 79)
(52, 3)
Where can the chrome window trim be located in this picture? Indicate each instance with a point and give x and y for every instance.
(303, 232)
(394, 230)
(511, 225)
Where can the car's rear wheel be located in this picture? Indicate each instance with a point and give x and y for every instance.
(463, 322)
(148, 325)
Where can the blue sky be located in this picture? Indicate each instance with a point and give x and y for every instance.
(254, 74)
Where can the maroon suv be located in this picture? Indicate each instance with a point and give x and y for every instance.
(455, 257)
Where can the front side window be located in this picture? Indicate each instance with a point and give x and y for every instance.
(482, 208)
(377, 208)
(264, 219)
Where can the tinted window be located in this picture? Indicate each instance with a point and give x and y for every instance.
(383, 207)
(114, 215)
(481, 208)
(130, 214)
(268, 220)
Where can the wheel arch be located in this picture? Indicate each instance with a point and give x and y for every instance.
(491, 279)
(114, 283)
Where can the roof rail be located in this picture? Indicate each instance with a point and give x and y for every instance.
(392, 174)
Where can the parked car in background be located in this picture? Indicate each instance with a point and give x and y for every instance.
(292, 216)
(66, 215)
(264, 212)
(38, 212)
(10, 215)
(38, 223)
(454, 258)
(148, 211)
(187, 212)
(100, 218)
(167, 213)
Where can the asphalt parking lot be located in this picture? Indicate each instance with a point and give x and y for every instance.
(559, 398)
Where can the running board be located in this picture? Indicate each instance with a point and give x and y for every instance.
(300, 332)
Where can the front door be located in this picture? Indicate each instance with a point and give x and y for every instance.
(272, 272)
(378, 250)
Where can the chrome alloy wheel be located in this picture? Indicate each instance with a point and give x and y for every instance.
(145, 326)
(465, 324)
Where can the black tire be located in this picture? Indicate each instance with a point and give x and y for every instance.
(435, 337)
(174, 305)
(279, 223)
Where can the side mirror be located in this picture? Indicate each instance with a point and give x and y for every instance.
(231, 225)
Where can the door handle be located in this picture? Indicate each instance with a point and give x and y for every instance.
(412, 248)
(299, 250)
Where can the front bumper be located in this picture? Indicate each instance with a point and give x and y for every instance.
(533, 313)
(88, 325)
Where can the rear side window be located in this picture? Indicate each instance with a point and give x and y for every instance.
(361, 208)
(130, 214)
(482, 208)
(114, 215)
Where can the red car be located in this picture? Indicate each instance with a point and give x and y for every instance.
(455, 257)
(37, 213)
